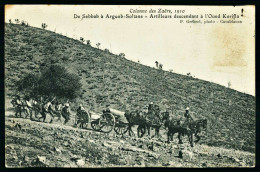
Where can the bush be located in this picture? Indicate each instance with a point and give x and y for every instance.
(44, 25)
(28, 85)
(82, 40)
(107, 50)
(122, 55)
(54, 81)
(88, 43)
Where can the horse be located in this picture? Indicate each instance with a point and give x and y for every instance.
(136, 118)
(199, 124)
(184, 127)
(145, 121)
(153, 119)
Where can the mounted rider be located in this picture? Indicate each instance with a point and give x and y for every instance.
(189, 118)
(187, 115)
(150, 107)
(153, 114)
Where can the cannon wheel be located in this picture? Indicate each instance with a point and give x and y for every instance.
(121, 129)
(83, 124)
(106, 122)
(95, 125)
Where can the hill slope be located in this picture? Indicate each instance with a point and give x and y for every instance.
(110, 79)
(65, 146)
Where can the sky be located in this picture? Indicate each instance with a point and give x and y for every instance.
(215, 52)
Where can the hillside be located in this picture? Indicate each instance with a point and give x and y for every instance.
(110, 79)
(38, 144)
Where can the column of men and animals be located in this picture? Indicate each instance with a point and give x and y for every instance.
(184, 126)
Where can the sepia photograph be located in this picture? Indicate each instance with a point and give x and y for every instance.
(101, 86)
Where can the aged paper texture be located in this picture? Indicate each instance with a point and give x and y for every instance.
(129, 86)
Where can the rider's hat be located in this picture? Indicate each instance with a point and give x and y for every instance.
(67, 104)
(151, 103)
(187, 108)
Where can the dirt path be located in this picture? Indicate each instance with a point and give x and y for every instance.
(32, 143)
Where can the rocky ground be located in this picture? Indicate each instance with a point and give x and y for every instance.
(37, 144)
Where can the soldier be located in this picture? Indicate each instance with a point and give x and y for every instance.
(150, 107)
(79, 113)
(28, 107)
(80, 108)
(18, 107)
(107, 109)
(58, 108)
(45, 109)
(189, 119)
(66, 113)
(36, 108)
(187, 114)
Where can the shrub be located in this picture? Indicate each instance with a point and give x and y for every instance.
(122, 55)
(17, 21)
(54, 81)
(88, 43)
(107, 50)
(98, 44)
(82, 40)
(28, 85)
(44, 25)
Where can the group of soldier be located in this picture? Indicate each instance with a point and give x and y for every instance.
(55, 109)
(153, 108)
(28, 106)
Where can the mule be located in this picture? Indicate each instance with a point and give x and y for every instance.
(184, 127)
(136, 118)
(144, 120)
(154, 119)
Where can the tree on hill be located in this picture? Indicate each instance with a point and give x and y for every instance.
(229, 84)
(106, 50)
(23, 23)
(28, 85)
(82, 40)
(160, 66)
(98, 44)
(44, 25)
(17, 21)
(54, 81)
(122, 55)
(88, 43)
(156, 63)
